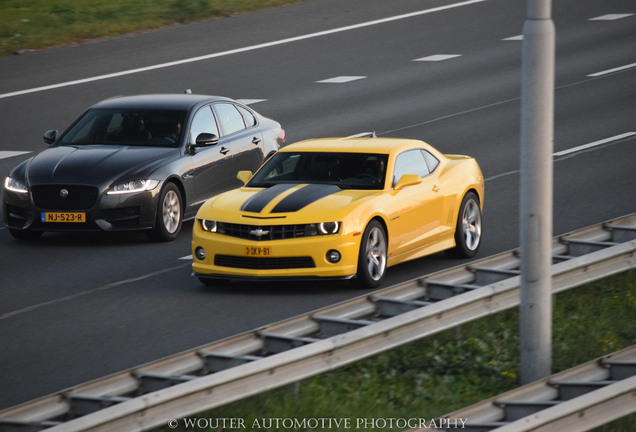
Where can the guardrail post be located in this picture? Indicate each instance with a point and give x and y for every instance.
(537, 111)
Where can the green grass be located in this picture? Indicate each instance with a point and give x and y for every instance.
(34, 24)
(440, 374)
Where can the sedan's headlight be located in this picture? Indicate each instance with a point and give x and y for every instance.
(15, 185)
(208, 225)
(132, 186)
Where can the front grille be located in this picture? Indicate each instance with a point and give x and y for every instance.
(266, 232)
(50, 197)
(255, 263)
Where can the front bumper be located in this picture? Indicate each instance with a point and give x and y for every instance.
(104, 213)
(299, 258)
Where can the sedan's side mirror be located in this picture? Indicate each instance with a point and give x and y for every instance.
(50, 136)
(206, 139)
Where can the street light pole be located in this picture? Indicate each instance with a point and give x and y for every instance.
(535, 211)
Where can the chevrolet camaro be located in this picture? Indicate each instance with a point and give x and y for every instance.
(345, 208)
(137, 163)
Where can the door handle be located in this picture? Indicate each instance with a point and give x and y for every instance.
(224, 150)
(256, 140)
(435, 188)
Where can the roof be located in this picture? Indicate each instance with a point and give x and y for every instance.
(177, 101)
(354, 145)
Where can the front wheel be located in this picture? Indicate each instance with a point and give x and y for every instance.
(372, 256)
(468, 230)
(169, 214)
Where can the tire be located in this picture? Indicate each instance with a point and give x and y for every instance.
(25, 234)
(372, 257)
(169, 214)
(468, 231)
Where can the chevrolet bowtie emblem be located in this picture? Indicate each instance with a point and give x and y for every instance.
(259, 232)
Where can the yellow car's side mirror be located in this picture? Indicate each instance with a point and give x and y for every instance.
(407, 180)
(244, 176)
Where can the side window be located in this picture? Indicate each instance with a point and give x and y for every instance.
(203, 121)
(431, 161)
(249, 118)
(230, 118)
(410, 162)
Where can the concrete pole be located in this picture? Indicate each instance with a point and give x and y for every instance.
(535, 211)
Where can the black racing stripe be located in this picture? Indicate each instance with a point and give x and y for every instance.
(258, 201)
(303, 197)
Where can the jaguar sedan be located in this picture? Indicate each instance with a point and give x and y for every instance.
(344, 208)
(143, 162)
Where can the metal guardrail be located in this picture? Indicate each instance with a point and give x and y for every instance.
(275, 355)
(577, 399)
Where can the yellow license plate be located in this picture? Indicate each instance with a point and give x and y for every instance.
(258, 251)
(66, 217)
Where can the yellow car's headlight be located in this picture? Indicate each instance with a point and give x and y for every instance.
(328, 227)
(208, 225)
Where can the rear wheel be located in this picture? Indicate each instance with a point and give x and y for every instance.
(372, 256)
(468, 230)
(169, 214)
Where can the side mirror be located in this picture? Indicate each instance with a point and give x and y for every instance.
(244, 176)
(407, 180)
(50, 136)
(206, 139)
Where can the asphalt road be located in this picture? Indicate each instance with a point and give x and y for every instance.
(78, 307)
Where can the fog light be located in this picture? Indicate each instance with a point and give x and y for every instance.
(199, 252)
(333, 256)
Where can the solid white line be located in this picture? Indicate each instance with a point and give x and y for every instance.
(594, 144)
(186, 258)
(238, 50)
(609, 71)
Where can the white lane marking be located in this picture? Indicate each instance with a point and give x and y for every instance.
(514, 38)
(90, 291)
(609, 71)
(186, 258)
(570, 151)
(610, 17)
(241, 50)
(341, 79)
(594, 144)
(7, 154)
(250, 101)
(438, 57)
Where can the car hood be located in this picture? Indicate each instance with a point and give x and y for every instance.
(96, 163)
(284, 201)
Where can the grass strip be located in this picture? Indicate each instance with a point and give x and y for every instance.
(448, 371)
(34, 24)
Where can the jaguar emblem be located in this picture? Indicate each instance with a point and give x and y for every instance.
(64, 193)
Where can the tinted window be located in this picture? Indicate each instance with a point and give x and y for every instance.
(346, 170)
(410, 162)
(249, 118)
(230, 118)
(431, 161)
(159, 128)
(203, 122)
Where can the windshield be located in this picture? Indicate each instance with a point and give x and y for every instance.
(346, 170)
(148, 127)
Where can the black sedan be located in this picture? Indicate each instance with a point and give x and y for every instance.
(137, 163)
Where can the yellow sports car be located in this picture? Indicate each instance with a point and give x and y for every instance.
(345, 208)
